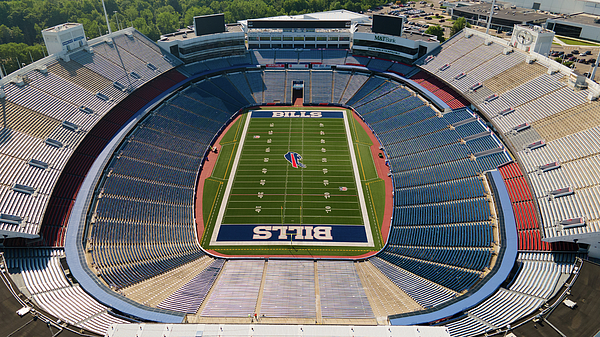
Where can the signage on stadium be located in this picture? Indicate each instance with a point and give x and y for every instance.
(385, 51)
(384, 39)
(296, 232)
(297, 114)
(344, 235)
(298, 66)
(311, 114)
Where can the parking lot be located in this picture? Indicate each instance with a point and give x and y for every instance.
(420, 15)
(583, 57)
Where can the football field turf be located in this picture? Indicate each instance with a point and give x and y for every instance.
(292, 181)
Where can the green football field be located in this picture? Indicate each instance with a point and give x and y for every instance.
(322, 199)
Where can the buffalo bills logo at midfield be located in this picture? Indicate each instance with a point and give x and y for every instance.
(294, 159)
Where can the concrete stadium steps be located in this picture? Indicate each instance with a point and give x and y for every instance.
(424, 292)
(384, 296)
(490, 69)
(153, 291)
(191, 295)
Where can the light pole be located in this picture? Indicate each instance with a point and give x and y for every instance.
(2, 94)
(593, 74)
(117, 16)
(106, 17)
(490, 18)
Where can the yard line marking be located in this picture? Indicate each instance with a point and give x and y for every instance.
(225, 199)
(361, 196)
(287, 168)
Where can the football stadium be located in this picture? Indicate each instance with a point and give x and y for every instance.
(326, 174)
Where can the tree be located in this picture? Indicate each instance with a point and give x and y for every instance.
(458, 25)
(167, 22)
(248, 9)
(437, 31)
(195, 11)
(21, 21)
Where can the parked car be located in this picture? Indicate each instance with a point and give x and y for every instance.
(588, 52)
(575, 51)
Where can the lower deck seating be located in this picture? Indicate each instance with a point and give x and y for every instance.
(536, 281)
(191, 296)
(289, 289)
(45, 280)
(425, 292)
(426, 145)
(236, 292)
(341, 292)
(184, 127)
(524, 210)
(133, 240)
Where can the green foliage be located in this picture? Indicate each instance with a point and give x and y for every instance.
(22, 21)
(458, 25)
(437, 31)
(11, 54)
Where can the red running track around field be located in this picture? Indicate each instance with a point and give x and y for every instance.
(206, 172)
(382, 171)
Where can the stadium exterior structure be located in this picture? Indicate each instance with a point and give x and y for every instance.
(472, 312)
